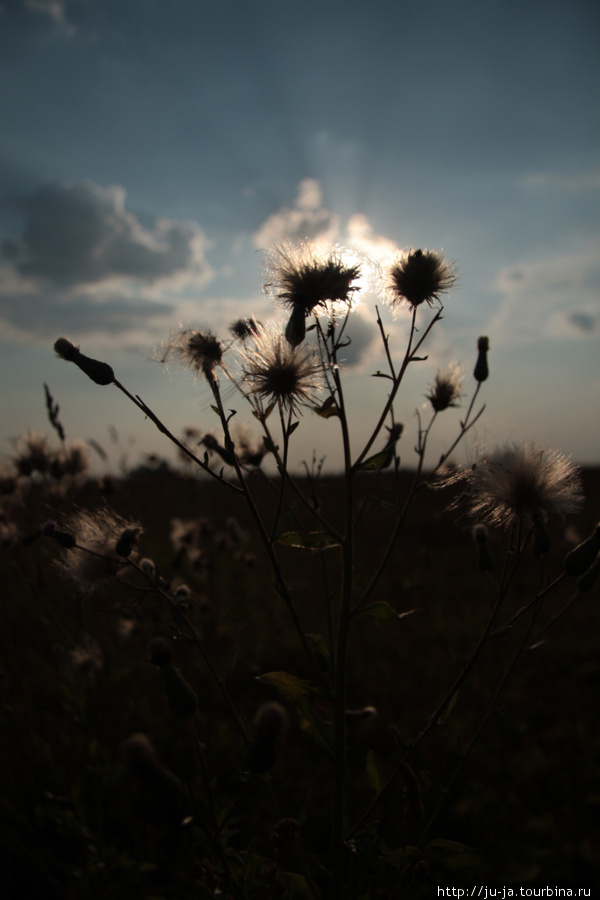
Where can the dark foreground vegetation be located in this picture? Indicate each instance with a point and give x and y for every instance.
(86, 812)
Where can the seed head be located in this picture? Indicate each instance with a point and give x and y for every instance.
(304, 278)
(518, 482)
(245, 328)
(419, 276)
(95, 557)
(446, 388)
(200, 350)
(275, 371)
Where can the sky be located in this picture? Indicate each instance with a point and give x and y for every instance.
(153, 151)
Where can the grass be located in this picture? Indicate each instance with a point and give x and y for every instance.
(75, 820)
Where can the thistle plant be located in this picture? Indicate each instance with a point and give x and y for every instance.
(284, 371)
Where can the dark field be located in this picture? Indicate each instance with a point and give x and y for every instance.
(75, 822)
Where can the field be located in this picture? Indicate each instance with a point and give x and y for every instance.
(78, 818)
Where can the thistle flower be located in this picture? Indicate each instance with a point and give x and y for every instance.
(419, 276)
(201, 350)
(95, 558)
(520, 482)
(304, 278)
(446, 388)
(275, 371)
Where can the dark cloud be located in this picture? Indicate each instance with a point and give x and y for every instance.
(81, 234)
(583, 322)
(41, 317)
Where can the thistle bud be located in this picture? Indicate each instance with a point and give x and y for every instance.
(161, 793)
(126, 542)
(270, 723)
(181, 697)
(63, 538)
(587, 581)
(581, 557)
(541, 539)
(295, 330)
(99, 372)
(485, 563)
(481, 370)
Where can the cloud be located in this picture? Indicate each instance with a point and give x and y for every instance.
(578, 182)
(363, 239)
(82, 234)
(83, 258)
(554, 297)
(307, 220)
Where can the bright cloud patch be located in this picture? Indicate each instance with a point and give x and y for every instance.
(556, 297)
(307, 219)
(83, 258)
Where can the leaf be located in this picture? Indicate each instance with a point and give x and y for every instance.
(284, 523)
(320, 646)
(443, 716)
(312, 540)
(310, 722)
(403, 857)
(381, 375)
(373, 773)
(383, 612)
(450, 846)
(288, 685)
(380, 460)
(328, 409)
(293, 427)
(298, 886)
(215, 409)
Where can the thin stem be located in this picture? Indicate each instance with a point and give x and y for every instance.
(164, 430)
(409, 356)
(281, 586)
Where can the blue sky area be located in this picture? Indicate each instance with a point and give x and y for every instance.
(152, 150)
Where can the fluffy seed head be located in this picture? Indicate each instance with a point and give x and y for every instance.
(201, 350)
(446, 388)
(95, 558)
(275, 371)
(419, 276)
(303, 277)
(518, 482)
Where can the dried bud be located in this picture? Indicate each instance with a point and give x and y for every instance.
(162, 796)
(99, 372)
(181, 697)
(63, 538)
(587, 581)
(126, 542)
(270, 723)
(159, 651)
(485, 562)
(581, 557)
(481, 370)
